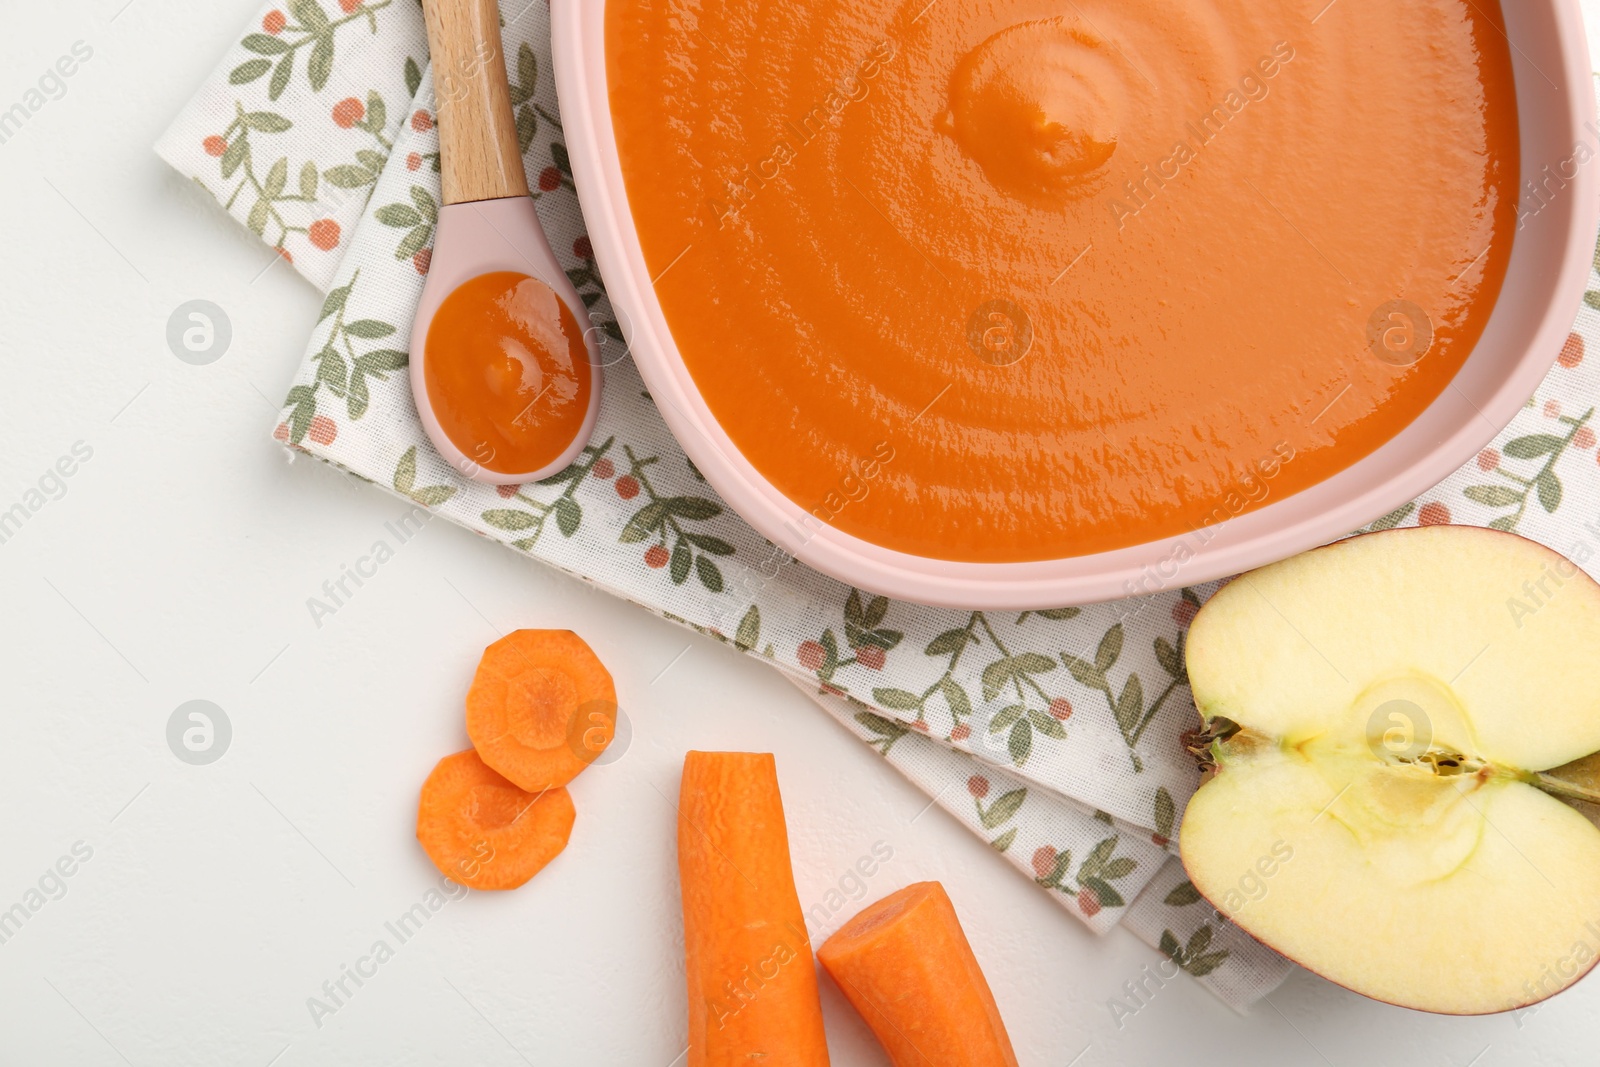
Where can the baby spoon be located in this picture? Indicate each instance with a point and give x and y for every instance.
(505, 367)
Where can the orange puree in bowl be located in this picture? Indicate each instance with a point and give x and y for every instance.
(1089, 273)
(507, 372)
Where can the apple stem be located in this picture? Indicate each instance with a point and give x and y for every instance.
(1563, 789)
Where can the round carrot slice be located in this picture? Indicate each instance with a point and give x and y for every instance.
(542, 707)
(484, 832)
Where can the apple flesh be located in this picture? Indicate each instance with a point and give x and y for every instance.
(1394, 733)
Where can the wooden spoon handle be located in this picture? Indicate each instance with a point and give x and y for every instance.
(478, 154)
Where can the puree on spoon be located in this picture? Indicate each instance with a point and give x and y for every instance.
(507, 371)
(1093, 274)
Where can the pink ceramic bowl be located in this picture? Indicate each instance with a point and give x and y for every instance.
(1550, 266)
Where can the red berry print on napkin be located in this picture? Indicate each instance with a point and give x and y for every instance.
(324, 234)
(348, 112)
(1044, 861)
(1571, 352)
(1434, 514)
(323, 430)
(1088, 902)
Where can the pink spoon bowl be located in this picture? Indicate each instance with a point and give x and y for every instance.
(1550, 268)
(479, 238)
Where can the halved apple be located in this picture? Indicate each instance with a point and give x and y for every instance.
(1381, 718)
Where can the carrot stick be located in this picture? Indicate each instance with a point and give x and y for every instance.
(905, 964)
(752, 986)
(542, 707)
(485, 833)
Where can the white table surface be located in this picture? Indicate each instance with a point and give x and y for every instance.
(177, 566)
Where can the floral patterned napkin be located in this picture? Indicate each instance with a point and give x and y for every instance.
(1058, 736)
